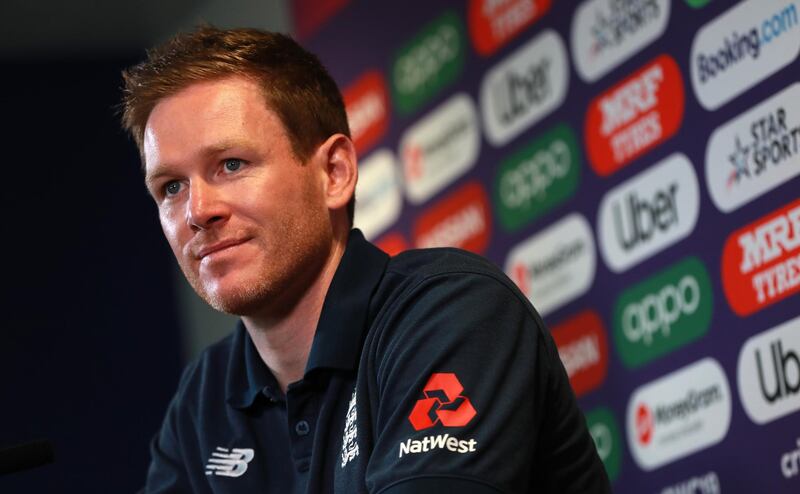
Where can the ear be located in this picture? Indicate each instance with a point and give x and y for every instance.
(339, 169)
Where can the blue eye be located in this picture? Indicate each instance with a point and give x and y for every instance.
(231, 165)
(172, 188)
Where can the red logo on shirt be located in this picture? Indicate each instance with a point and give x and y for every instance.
(443, 403)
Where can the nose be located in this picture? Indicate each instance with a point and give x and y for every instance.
(206, 206)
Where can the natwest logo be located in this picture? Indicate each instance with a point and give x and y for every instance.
(493, 23)
(769, 373)
(679, 414)
(634, 116)
(555, 266)
(605, 33)
(755, 152)
(663, 313)
(443, 403)
(761, 262)
(648, 213)
(582, 346)
(461, 220)
(439, 148)
(742, 47)
(524, 87)
(367, 107)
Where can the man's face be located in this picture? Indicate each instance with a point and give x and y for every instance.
(246, 220)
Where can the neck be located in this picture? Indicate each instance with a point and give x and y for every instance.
(284, 341)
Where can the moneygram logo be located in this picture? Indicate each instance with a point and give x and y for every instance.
(649, 212)
(755, 152)
(537, 178)
(461, 220)
(367, 107)
(440, 147)
(430, 61)
(605, 433)
(582, 346)
(378, 197)
(769, 373)
(443, 403)
(742, 47)
(605, 33)
(493, 23)
(524, 87)
(761, 262)
(634, 116)
(676, 415)
(555, 266)
(663, 313)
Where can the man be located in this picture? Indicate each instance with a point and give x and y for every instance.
(349, 371)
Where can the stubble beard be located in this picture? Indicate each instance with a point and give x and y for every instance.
(284, 269)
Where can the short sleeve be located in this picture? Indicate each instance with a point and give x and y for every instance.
(464, 378)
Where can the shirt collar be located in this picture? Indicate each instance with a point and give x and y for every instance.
(340, 331)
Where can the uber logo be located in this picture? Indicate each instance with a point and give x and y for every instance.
(648, 213)
(769, 373)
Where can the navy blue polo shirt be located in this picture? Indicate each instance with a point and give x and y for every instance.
(428, 371)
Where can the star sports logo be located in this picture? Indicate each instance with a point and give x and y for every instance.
(443, 403)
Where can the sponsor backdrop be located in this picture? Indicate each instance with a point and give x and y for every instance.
(632, 165)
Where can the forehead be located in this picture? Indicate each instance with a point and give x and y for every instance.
(207, 115)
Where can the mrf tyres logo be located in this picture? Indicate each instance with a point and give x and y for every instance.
(463, 220)
(582, 346)
(761, 262)
(663, 313)
(648, 213)
(681, 413)
(634, 116)
(769, 373)
(755, 152)
(742, 47)
(605, 33)
(493, 23)
(443, 404)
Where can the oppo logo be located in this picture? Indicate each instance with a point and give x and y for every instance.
(743, 46)
(378, 197)
(605, 434)
(648, 213)
(461, 220)
(582, 346)
(493, 23)
(761, 262)
(755, 152)
(440, 148)
(556, 265)
(635, 115)
(367, 107)
(537, 178)
(605, 33)
(524, 87)
(679, 414)
(769, 373)
(663, 313)
(431, 60)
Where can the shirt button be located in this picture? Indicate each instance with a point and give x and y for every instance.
(302, 428)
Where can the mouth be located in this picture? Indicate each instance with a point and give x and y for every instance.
(218, 247)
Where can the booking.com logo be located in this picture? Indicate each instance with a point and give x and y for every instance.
(739, 46)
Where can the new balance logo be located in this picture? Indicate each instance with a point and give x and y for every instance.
(229, 462)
